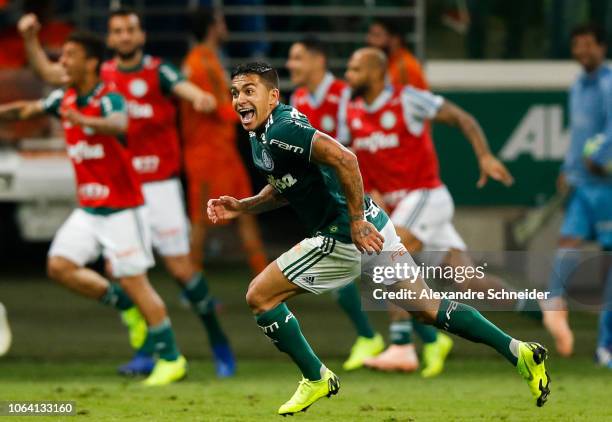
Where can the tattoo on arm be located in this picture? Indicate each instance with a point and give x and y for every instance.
(328, 151)
(267, 199)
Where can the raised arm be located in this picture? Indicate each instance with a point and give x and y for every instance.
(328, 151)
(453, 115)
(50, 72)
(227, 207)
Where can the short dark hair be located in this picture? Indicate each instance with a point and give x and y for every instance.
(125, 11)
(265, 71)
(392, 25)
(590, 29)
(202, 20)
(92, 44)
(314, 45)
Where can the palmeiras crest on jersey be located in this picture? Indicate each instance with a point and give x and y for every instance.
(388, 120)
(266, 159)
(138, 87)
(328, 124)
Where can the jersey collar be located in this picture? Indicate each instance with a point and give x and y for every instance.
(146, 59)
(380, 101)
(316, 98)
(83, 100)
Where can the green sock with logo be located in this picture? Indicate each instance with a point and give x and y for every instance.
(160, 340)
(467, 322)
(280, 326)
(400, 332)
(116, 297)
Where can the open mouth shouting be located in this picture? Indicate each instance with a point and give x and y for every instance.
(247, 115)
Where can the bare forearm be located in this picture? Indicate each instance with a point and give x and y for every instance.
(187, 91)
(267, 199)
(328, 151)
(454, 115)
(112, 125)
(352, 185)
(473, 132)
(18, 110)
(47, 70)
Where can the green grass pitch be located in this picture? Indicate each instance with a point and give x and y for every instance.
(67, 348)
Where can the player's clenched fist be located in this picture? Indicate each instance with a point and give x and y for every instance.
(224, 208)
(28, 25)
(366, 238)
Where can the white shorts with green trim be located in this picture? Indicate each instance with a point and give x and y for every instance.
(320, 264)
(428, 214)
(167, 217)
(122, 237)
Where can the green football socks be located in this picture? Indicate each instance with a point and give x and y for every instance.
(203, 304)
(467, 322)
(350, 301)
(280, 326)
(116, 297)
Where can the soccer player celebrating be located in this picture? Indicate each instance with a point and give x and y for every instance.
(111, 217)
(148, 84)
(320, 180)
(318, 97)
(588, 215)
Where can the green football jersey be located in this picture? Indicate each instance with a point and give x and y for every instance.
(281, 152)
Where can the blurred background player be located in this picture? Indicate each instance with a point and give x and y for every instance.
(318, 94)
(588, 214)
(5, 331)
(402, 67)
(111, 218)
(149, 84)
(212, 161)
(388, 128)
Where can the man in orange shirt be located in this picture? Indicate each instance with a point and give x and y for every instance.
(403, 68)
(212, 161)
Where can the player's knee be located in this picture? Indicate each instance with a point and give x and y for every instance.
(58, 267)
(182, 273)
(255, 298)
